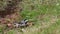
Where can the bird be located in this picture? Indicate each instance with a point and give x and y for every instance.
(22, 23)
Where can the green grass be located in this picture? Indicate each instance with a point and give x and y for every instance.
(46, 17)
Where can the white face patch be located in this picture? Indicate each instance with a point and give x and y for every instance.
(26, 21)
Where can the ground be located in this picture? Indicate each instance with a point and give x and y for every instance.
(44, 14)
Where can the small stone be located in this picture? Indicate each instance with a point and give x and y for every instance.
(9, 25)
(23, 30)
(57, 4)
